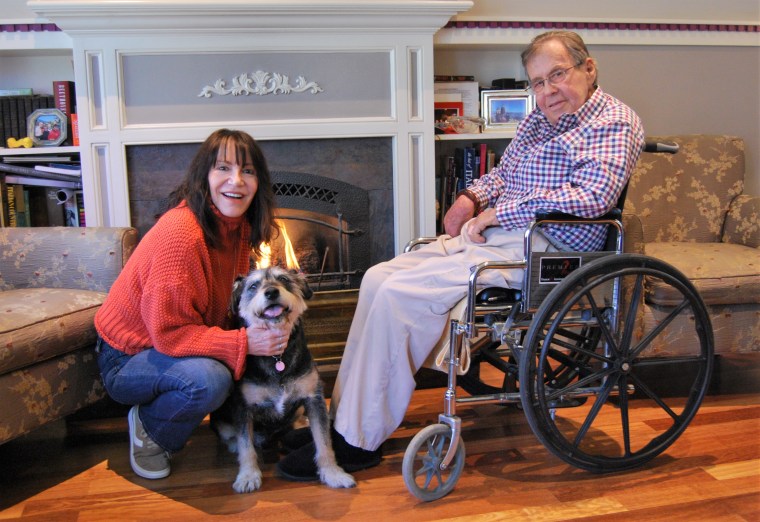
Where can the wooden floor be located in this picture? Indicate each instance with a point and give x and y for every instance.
(711, 473)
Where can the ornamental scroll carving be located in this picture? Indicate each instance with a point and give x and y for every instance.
(260, 83)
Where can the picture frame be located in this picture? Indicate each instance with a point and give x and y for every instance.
(47, 127)
(444, 109)
(503, 110)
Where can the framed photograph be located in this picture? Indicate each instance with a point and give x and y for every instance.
(46, 127)
(503, 110)
(443, 110)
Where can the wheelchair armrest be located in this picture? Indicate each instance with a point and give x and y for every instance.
(417, 242)
(550, 215)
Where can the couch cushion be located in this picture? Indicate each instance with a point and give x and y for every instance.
(723, 273)
(39, 323)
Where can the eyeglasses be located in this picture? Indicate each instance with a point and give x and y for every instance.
(554, 78)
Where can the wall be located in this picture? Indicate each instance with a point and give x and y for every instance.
(675, 89)
(690, 90)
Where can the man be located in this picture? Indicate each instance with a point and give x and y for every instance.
(573, 154)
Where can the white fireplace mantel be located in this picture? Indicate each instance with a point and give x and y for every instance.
(140, 65)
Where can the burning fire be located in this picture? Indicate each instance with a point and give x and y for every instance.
(290, 256)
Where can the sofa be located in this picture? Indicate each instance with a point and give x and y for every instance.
(52, 281)
(690, 210)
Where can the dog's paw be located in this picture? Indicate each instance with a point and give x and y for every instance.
(247, 482)
(335, 477)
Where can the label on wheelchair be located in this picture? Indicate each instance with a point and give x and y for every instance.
(548, 269)
(552, 270)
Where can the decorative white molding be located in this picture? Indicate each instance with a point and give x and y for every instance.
(261, 83)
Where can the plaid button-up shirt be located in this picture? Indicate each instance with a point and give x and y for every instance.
(579, 167)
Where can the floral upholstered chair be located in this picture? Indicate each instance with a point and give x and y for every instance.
(690, 210)
(52, 281)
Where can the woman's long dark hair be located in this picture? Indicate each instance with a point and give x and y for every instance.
(195, 188)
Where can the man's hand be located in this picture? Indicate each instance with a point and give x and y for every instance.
(462, 210)
(474, 229)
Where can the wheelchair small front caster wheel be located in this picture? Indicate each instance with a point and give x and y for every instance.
(421, 468)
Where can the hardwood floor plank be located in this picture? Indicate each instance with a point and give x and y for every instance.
(730, 470)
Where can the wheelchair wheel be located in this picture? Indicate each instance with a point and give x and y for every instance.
(619, 366)
(421, 466)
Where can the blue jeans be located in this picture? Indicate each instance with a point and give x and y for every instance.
(174, 393)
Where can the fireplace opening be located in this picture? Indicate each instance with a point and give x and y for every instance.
(317, 245)
(326, 222)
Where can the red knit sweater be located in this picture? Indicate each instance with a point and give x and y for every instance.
(174, 292)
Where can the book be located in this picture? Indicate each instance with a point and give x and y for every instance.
(31, 173)
(68, 169)
(21, 91)
(10, 199)
(40, 159)
(45, 210)
(3, 108)
(63, 93)
(482, 152)
(75, 129)
(80, 209)
(23, 217)
(453, 78)
(65, 101)
(468, 165)
(70, 207)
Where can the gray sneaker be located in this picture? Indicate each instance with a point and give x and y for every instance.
(148, 459)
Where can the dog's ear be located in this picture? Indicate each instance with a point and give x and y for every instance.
(303, 283)
(237, 291)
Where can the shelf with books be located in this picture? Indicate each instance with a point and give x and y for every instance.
(41, 187)
(460, 160)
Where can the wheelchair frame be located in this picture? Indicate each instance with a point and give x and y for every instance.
(575, 342)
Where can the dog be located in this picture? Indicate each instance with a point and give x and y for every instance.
(273, 390)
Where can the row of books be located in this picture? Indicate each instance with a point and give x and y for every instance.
(458, 171)
(31, 206)
(17, 105)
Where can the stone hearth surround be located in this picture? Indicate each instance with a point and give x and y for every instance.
(148, 72)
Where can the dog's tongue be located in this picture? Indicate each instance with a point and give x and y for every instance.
(274, 311)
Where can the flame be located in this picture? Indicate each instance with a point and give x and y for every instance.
(291, 261)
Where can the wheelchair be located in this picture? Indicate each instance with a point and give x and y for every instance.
(574, 342)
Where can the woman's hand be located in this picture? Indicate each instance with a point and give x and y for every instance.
(473, 229)
(267, 341)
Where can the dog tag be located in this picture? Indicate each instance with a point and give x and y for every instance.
(279, 366)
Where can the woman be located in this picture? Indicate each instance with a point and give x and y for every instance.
(164, 347)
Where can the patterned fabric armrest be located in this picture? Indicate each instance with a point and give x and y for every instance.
(87, 258)
(743, 222)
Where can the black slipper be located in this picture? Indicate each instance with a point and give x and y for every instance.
(295, 439)
(299, 465)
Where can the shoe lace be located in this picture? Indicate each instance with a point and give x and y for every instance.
(148, 443)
